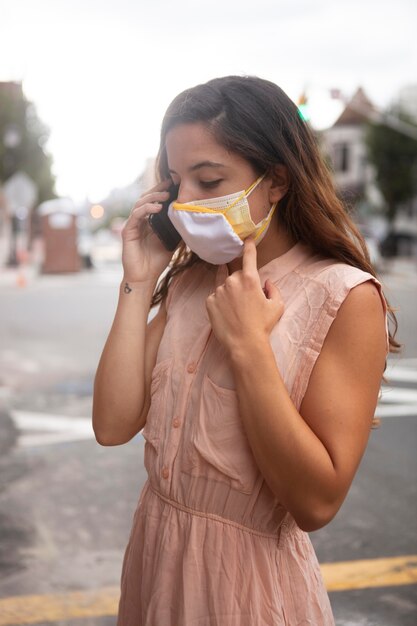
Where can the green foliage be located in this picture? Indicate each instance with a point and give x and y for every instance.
(394, 156)
(22, 141)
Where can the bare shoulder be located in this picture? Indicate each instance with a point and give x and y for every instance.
(361, 316)
(367, 296)
(357, 340)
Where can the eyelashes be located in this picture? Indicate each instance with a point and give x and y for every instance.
(203, 184)
(210, 184)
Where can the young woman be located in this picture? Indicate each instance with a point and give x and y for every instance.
(257, 381)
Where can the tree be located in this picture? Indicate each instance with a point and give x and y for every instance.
(23, 137)
(394, 156)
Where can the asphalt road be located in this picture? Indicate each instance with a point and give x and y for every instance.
(66, 503)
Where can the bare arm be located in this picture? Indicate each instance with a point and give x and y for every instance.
(121, 385)
(307, 457)
(122, 381)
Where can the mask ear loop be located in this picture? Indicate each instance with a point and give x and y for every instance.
(253, 186)
(246, 193)
(268, 219)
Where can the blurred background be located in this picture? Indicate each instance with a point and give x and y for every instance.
(83, 89)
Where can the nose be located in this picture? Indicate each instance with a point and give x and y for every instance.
(185, 193)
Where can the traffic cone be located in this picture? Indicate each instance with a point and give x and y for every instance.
(21, 280)
(22, 258)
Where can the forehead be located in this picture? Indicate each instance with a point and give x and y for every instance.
(188, 144)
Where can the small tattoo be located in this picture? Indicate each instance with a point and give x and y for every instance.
(127, 289)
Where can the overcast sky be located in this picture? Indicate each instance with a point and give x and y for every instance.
(102, 72)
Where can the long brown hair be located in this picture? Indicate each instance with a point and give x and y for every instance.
(254, 118)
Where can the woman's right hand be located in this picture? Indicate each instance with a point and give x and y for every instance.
(144, 257)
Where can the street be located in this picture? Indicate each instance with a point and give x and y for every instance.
(66, 503)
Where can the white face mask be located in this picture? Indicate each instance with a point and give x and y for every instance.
(215, 228)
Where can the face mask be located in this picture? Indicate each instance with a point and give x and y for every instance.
(215, 228)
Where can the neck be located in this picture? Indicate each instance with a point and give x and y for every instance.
(275, 243)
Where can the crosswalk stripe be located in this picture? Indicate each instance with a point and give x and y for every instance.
(40, 429)
(342, 576)
(397, 395)
(392, 410)
(401, 371)
(401, 375)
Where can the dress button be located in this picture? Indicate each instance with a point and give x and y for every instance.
(176, 422)
(191, 367)
(165, 472)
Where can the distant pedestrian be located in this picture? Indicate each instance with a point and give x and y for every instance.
(257, 381)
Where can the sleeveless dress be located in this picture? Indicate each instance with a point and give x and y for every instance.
(210, 544)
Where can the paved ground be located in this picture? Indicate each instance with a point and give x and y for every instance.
(66, 503)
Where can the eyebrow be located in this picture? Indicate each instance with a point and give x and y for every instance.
(198, 166)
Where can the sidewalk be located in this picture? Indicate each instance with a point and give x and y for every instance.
(15, 278)
(18, 276)
(25, 274)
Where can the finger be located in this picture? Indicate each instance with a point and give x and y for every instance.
(249, 256)
(156, 196)
(271, 291)
(144, 210)
(273, 295)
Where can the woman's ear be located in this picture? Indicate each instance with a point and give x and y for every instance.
(279, 183)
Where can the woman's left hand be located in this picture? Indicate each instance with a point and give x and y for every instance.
(241, 310)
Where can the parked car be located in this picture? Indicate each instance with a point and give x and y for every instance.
(399, 243)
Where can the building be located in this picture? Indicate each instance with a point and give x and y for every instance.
(345, 147)
(344, 144)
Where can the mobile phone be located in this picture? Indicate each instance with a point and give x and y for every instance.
(162, 225)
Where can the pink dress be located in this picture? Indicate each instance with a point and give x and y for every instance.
(210, 544)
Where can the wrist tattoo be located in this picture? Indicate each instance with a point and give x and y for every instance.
(126, 288)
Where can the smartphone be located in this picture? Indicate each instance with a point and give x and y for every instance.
(162, 225)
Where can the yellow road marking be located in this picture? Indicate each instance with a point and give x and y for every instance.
(21, 610)
(390, 572)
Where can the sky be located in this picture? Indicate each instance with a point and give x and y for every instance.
(102, 72)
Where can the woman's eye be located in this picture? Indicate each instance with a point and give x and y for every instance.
(210, 184)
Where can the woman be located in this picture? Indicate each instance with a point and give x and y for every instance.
(257, 381)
